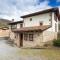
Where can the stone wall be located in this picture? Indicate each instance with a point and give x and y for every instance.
(37, 39)
(4, 33)
(48, 36)
(40, 38)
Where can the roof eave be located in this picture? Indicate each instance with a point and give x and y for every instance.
(12, 23)
(41, 12)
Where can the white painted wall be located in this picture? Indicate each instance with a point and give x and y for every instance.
(50, 33)
(42, 17)
(18, 25)
(58, 26)
(36, 19)
(53, 24)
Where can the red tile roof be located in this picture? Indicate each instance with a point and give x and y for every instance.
(36, 28)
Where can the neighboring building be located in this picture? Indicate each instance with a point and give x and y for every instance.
(12, 26)
(37, 28)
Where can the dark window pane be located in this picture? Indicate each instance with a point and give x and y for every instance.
(30, 37)
(30, 19)
(59, 26)
(55, 27)
(26, 37)
(13, 26)
(41, 23)
(55, 17)
(21, 25)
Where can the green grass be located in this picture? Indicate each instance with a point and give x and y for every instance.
(49, 54)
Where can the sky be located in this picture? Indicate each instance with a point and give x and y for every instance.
(13, 9)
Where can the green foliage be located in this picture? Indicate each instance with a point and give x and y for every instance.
(56, 42)
(2, 25)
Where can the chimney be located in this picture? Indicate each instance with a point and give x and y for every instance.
(12, 20)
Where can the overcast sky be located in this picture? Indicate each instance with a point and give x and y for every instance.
(13, 9)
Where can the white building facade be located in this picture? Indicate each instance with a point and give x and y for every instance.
(38, 28)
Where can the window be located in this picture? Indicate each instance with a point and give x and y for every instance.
(13, 26)
(55, 27)
(21, 25)
(55, 17)
(30, 37)
(41, 23)
(16, 35)
(30, 19)
(26, 37)
(59, 27)
(49, 19)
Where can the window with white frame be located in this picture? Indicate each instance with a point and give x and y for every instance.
(41, 23)
(30, 37)
(30, 19)
(55, 17)
(26, 36)
(55, 27)
(59, 26)
(21, 25)
(14, 26)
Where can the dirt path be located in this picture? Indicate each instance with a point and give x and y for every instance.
(8, 52)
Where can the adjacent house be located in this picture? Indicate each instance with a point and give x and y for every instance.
(13, 26)
(36, 28)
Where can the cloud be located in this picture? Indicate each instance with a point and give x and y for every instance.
(59, 8)
(58, 0)
(10, 9)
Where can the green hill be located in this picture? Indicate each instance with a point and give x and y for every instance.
(4, 23)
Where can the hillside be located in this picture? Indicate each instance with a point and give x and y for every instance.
(4, 23)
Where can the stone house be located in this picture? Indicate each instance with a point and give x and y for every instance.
(36, 28)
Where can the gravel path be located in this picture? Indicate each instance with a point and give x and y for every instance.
(8, 52)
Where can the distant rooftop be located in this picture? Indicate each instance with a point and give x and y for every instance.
(15, 22)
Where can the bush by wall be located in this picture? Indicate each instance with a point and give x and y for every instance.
(56, 43)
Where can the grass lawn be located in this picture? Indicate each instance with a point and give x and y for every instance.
(48, 54)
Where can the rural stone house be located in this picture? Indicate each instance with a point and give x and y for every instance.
(36, 28)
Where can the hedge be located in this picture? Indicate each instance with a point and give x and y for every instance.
(56, 42)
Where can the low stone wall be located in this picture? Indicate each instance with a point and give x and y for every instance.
(4, 33)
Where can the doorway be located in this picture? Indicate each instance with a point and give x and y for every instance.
(21, 40)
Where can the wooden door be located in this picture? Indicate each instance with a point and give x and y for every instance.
(21, 40)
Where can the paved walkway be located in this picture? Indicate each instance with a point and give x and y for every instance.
(8, 52)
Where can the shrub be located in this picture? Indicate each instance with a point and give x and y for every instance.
(56, 42)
